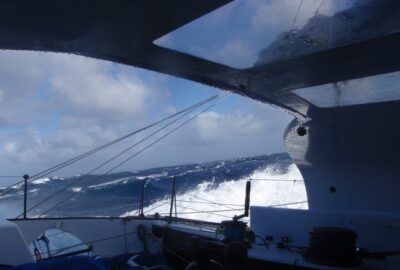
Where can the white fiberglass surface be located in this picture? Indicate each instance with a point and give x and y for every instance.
(248, 33)
(366, 90)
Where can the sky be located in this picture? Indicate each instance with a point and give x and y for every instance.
(56, 106)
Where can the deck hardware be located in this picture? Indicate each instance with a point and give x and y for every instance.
(26, 178)
(141, 206)
(301, 131)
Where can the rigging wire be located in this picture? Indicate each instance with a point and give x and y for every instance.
(297, 12)
(158, 206)
(195, 106)
(134, 155)
(229, 204)
(111, 159)
(114, 168)
(194, 196)
(99, 148)
(319, 7)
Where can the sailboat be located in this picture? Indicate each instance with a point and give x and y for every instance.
(336, 72)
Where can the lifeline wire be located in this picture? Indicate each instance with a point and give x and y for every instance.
(211, 212)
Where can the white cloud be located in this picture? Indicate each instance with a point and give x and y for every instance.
(54, 107)
(85, 86)
(214, 127)
(10, 148)
(215, 136)
(38, 83)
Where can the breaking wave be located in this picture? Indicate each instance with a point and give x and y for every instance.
(270, 187)
(203, 190)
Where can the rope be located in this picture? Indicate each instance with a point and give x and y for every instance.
(84, 155)
(134, 155)
(111, 159)
(264, 243)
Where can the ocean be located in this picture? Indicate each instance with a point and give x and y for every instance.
(213, 191)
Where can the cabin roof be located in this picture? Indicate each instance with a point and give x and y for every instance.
(356, 42)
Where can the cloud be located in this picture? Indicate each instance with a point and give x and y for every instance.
(215, 135)
(213, 127)
(35, 84)
(89, 87)
(18, 81)
(55, 106)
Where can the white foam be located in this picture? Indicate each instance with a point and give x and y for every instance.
(263, 193)
(76, 189)
(220, 165)
(40, 181)
(113, 182)
(152, 176)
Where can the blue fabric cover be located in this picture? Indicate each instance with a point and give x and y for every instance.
(71, 263)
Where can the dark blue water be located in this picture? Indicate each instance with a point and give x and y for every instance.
(118, 193)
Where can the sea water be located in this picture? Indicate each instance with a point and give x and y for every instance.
(212, 191)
